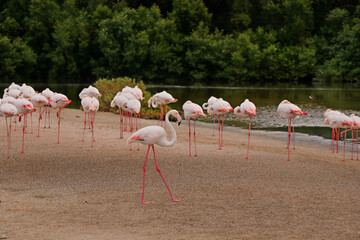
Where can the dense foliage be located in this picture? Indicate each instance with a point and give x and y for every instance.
(186, 42)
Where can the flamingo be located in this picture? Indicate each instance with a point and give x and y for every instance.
(39, 101)
(327, 114)
(24, 107)
(162, 98)
(356, 121)
(206, 106)
(132, 107)
(221, 107)
(246, 109)
(8, 110)
(289, 111)
(152, 135)
(345, 122)
(120, 100)
(90, 92)
(192, 111)
(14, 92)
(59, 101)
(91, 106)
(48, 94)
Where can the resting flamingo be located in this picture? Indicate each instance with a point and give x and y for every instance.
(91, 106)
(327, 114)
(48, 94)
(120, 100)
(289, 111)
(59, 101)
(220, 107)
(152, 135)
(162, 98)
(39, 101)
(24, 107)
(356, 122)
(206, 106)
(246, 109)
(89, 92)
(192, 111)
(8, 110)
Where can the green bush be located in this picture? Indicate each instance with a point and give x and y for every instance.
(110, 87)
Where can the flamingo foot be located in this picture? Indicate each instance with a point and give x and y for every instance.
(357, 159)
(250, 158)
(189, 155)
(195, 155)
(175, 200)
(287, 159)
(22, 152)
(219, 148)
(142, 202)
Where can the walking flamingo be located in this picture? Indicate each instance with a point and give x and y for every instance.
(39, 101)
(206, 106)
(162, 98)
(221, 107)
(192, 111)
(24, 107)
(59, 101)
(120, 101)
(91, 106)
(289, 111)
(246, 109)
(152, 135)
(8, 110)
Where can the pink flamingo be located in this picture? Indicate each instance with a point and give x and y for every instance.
(8, 110)
(39, 101)
(192, 111)
(120, 101)
(221, 107)
(246, 109)
(24, 107)
(59, 101)
(206, 106)
(91, 106)
(356, 121)
(289, 111)
(11, 100)
(346, 123)
(133, 108)
(162, 98)
(48, 94)
(90, 92)
(328, 114)
(152, 135)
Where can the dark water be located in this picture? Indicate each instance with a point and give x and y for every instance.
(312, 100)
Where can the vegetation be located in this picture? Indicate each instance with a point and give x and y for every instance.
(185, 42)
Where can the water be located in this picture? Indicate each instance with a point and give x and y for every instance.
(314, 101)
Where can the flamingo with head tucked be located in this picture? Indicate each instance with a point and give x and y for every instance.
(91, 106)
(120, 101)
(39, 101)
(206, 106)
(356, 126)
(192, 111)
(48, 94)
(8, 110)
(152, 135)
(59, 101)
(246, 109)
(289, 111)
(221, 107)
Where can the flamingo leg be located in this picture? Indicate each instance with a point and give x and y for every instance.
(344, 147)
(121, 124)
(58, 142)
(92, 129)
(247, 154)
(357, 145)
(45, 117)
(214, 126)
(84, 128)
(219, 133)
(293, 134)
(162, 115)
(165, 113)
(39, 122)
(332, 140)
(144, 170)
(49, 117)
(189, 138)
(337, 140)
(31, 123)
(222, 131)
(352, 144)
(158, 169)
(195, 139)
(15, 125)
(7, 136)
(289, 137)
(23, 139)
(125, 114)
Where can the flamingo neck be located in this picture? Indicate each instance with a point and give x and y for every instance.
(170, 143)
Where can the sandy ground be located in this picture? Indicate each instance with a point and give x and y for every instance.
(73, 191)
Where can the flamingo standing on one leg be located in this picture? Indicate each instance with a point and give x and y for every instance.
(8, 110)
(220, 107)
(24, 107)
(59, 101)
(289, 111)
(192, 111)
(327, 114)
(206, 106)
(162, 98)
(91, 106)
(152, 135)
(39, 101)
(246, 109)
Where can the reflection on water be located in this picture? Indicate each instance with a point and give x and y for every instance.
(314, 101)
